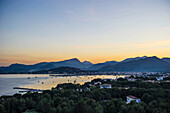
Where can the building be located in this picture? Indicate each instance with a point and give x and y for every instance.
(132, 98)
(108, 79)
(159, 78)
(97, 83)
(90, 85)
(88, 89)
(105, 86)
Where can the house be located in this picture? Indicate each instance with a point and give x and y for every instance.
(112, 79)
(105, 86)
(97, 83)
(90, 85)
(88, 89)
(131, 79)
(126, 77)
(106, 80)
(159, 78)
(132, 98)
(79, 90)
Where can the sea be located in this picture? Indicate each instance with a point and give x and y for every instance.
(41, 81)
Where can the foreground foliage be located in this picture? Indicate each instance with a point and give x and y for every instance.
(68, 98)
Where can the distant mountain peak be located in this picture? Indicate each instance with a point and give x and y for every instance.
(166, 59)
(135, 58)
(153, 57)
(145, 63)
(109, 61)
(87, 63)
(75, 59)
(16, 64)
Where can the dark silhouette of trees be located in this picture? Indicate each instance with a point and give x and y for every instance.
(67, 98)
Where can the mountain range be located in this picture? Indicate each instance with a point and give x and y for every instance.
(137, 64)
(60, 70)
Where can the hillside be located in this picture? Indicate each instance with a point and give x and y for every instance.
(148, 64)
(142, 64)
(18, 68)
(60, 70)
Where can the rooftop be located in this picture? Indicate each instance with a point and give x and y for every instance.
(132, 97)
(106, 84)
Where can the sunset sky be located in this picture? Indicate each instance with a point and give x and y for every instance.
(33, 31)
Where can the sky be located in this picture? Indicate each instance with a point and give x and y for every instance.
(33, 31)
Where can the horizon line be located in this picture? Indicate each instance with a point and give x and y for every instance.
(81, 60)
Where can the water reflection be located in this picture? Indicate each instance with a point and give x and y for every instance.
(41, 81)
(50, 82)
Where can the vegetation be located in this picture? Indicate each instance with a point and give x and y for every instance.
(75, 98)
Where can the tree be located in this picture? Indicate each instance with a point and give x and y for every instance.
(57, 101)
(81, 107)
(52, 110)
(153, 104)
(44, 106)
(131, 109)
(123, 109)
(2, 109)
(65, 110)
(112, 108)
(141, 109)
(98, 109)
(58, 109)
(146, 98)
(30, 104)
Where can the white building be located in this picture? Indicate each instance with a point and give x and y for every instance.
(97, 83)
(132, 98)
(105, 86)
(159, 78)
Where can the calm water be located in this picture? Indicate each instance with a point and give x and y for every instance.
(8, 81)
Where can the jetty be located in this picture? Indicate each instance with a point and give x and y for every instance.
(29, 89)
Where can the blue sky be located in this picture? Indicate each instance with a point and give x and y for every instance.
(96, 30)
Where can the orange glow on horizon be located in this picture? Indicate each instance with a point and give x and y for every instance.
(28, 61)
